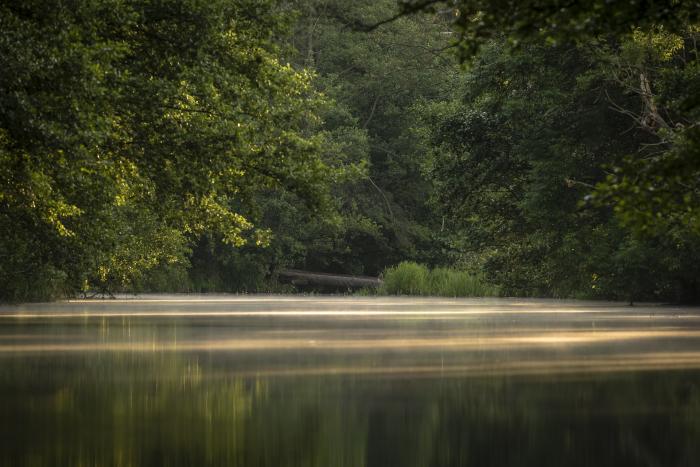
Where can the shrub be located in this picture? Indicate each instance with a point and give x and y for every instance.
(409, 278)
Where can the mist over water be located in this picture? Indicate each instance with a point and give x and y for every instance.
(326, 381)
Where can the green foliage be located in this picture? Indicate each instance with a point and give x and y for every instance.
(378, 214)
(410, 278)
(657, 188)
(554, 21)
(565, 112)
(449, 282)
(202, 146)
(523, 142)
(407, 278)
(130, 128)
(373, 79)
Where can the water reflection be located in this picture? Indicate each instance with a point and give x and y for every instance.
(101, 385)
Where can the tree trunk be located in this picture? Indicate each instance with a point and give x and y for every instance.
(298, 277)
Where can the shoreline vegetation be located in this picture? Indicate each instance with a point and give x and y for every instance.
(189, 146)
(407, 278)
(411, 278)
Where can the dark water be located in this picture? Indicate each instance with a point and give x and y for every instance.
(278, 381)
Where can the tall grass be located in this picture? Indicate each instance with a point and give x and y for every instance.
(409, 278)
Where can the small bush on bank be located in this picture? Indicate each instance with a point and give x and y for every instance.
(410, 278)
(407, 278)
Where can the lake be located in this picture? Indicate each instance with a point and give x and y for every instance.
(348, 381)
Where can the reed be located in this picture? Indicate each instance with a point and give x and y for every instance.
(410, 278)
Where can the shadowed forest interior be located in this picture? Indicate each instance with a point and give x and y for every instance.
(457, 148)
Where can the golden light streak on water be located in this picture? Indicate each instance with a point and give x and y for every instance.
(313, 313)
(399, 334)
(548, 339)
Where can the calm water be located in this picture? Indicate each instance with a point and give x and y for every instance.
(335, 381)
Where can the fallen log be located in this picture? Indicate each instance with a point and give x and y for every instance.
(298, 277)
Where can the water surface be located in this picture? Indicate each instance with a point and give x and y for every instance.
(344, 381)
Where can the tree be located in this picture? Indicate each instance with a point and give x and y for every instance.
(516, 151)
(129, 128)
(479, 21)
(657, 189)
(373, 80)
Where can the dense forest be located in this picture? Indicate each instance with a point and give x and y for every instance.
(540, 147)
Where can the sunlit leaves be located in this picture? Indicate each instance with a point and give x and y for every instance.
(129, 128)
(553, 21)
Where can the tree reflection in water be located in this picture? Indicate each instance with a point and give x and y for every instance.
(166, 409)
(487, 387)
